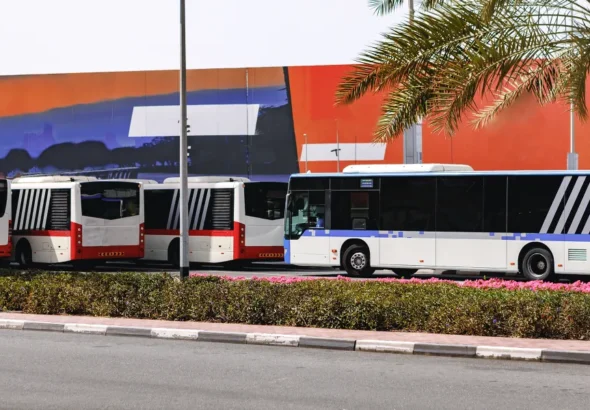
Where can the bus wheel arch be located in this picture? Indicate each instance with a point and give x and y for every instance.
(356, 258)
(536, 262)
(24, 253)
(174, 252)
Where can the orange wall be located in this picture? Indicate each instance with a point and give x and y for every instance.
(315, 114)
(526, 136)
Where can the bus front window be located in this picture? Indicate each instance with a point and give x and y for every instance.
(304, 210)
(297, 219)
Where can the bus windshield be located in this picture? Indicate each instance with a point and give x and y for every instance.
(304, 210)
(265, 200)
(110, 200)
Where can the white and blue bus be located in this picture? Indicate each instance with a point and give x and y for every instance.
(437, 216)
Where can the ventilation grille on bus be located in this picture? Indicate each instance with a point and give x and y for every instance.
(59, 210)
(578, 255)
(222, 209)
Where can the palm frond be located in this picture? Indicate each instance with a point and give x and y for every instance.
(542, 81)
(451, 55)
(382, 7)
(402, 108)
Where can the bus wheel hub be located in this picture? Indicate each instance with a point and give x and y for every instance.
(358, 261)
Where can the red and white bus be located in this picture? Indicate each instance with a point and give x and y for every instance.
(230, 219)
(5, 220)
(81, 219)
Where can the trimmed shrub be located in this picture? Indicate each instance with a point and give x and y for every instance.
(481, 308)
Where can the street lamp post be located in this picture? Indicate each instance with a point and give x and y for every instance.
(184, 263)
(572, 156)
(412, 137)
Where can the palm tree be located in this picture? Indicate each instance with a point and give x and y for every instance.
(382, 7)
(475, 58)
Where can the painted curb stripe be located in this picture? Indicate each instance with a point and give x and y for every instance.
(444, 350)
(272, 339)
(565, 356)
(384, 346)
(179, 334)
(324, 343)
(85, 329)
(228, 337)
(128, 331)
(45, 326)
(497, 352)
(12, 324)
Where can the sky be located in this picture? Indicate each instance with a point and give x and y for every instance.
(66, 36)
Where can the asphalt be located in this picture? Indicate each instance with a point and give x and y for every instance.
(266, 269)
(58, 371)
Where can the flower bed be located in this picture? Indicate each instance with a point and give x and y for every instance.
(483, 307)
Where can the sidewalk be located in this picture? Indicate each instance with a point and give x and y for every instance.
(571, 351)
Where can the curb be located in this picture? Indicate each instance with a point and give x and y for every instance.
(271, 339)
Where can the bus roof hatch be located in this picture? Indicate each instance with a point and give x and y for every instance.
(386, 168)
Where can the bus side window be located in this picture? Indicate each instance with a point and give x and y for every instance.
(317, 205)
(357, 210)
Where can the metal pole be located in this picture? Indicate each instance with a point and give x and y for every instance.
(306, 157)
(572, 156)
(412, 134)
(184, 244)
(337, 147)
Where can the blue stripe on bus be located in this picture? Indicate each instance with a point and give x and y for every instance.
(546, 237)
(287, 255)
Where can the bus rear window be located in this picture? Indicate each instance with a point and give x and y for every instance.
(110, 200)
(265, 200)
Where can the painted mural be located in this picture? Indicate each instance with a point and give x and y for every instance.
(240, 123)
(264, 123)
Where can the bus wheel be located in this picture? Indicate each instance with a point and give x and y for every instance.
(537, 264)
(404, 273)
(357, 261)
(24, 254)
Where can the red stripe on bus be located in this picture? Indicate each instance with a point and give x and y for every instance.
(108, 252)
(6, 250)
(176, 232)
(274, 253)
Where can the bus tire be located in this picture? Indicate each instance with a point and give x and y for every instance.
(404, 273)
(537, 264)
(357, 261)
(24, 254)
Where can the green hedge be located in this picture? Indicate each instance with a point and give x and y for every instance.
(365, 305)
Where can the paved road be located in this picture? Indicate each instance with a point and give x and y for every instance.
(266, 270)
(62, 371)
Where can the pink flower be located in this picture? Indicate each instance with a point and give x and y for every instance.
(494, 283)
